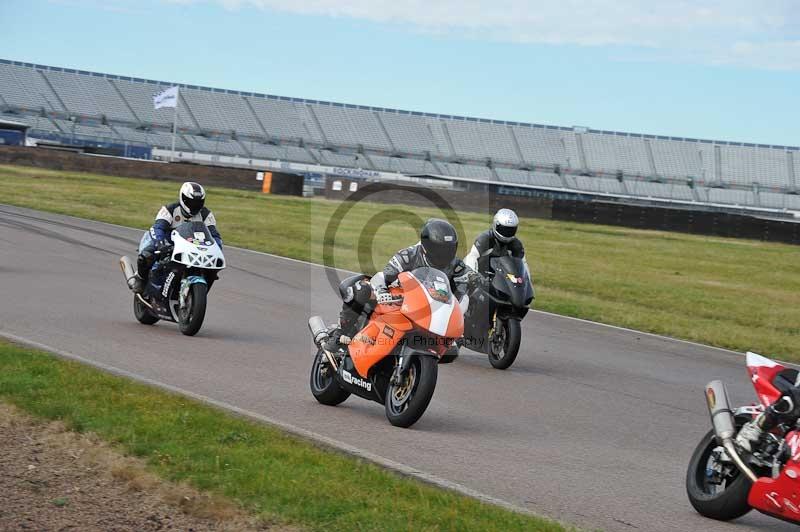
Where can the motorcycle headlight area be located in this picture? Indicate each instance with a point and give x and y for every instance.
(199, 260)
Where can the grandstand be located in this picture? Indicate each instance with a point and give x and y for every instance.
(74, 106)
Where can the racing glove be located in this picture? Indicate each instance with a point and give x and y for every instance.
(163, 247)
(384, 297)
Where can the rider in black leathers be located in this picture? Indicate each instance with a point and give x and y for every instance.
(498, 241)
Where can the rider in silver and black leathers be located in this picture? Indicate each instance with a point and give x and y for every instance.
(436, 248)
(498, 241)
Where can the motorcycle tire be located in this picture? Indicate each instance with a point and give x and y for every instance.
(191, 318)
(406, 403)
(725, 505)
(324, 388)
(510, 349)
(142, 313)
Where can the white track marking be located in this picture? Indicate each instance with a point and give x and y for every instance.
(305, 434)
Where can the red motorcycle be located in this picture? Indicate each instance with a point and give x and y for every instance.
(724, 480)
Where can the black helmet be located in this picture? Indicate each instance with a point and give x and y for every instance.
(439, 242)
(192, 198)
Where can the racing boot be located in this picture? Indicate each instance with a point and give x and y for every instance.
(139, 280)
(750, 434)
(137, 284)
(342, 335)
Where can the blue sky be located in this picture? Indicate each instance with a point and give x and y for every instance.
(722, 69)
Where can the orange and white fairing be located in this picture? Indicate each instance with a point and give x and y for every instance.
(428, 305)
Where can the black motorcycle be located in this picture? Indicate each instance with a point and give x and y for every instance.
(178, 284)
(492, 321)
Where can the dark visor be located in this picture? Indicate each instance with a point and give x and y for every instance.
(440, 255)
(506, 231)
(193, 204)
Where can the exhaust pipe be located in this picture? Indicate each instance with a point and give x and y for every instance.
(319, 332)
(724, 425)
(128, 269)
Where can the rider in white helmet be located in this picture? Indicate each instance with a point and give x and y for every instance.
(498, 241)
(190, 207)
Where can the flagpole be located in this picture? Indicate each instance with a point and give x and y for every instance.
(174, 125)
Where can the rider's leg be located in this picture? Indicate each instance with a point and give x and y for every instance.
(784, 410)
(356, 302)
(144, 262)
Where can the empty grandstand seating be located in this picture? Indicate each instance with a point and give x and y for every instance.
(494, 140)
(89, 95)
(736, 197)
(600, 184)
(406, 166)
(347, 126)
(219, 111)
(542, 146)
(676, 158)
(609, 153)
(27, 88)
(743, 165)
(85, 105)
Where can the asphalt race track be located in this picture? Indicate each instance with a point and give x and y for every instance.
(592, 425)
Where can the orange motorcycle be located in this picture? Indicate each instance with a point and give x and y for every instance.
(394, 358)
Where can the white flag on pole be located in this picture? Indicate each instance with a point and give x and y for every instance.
(166, 98)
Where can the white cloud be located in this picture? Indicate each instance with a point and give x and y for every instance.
(751, 33)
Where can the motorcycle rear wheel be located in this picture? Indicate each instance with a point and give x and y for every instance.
(142, 313)
(191, 317)
(503, 355)
(405, 403)
(323, 383)
(709, 500)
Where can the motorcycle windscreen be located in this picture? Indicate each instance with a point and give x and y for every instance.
(195, 233)
(511, 278)
(430, 304)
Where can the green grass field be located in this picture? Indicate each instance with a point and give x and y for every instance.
(278, 478)
(739, 294)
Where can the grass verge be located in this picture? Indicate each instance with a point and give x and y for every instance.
(738, 294)
(276, 477)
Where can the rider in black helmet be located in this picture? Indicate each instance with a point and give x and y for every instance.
(437, 246)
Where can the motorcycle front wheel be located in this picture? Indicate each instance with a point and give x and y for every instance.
(504, 343)
(190, 317)
(323, 383)
(726, 497)
(406, 402)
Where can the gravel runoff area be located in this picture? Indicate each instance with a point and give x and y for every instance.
(54, 479)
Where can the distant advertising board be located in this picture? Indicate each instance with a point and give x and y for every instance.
(355, 172)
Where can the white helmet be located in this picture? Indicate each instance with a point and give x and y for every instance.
(504, 225)
(192, 198)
